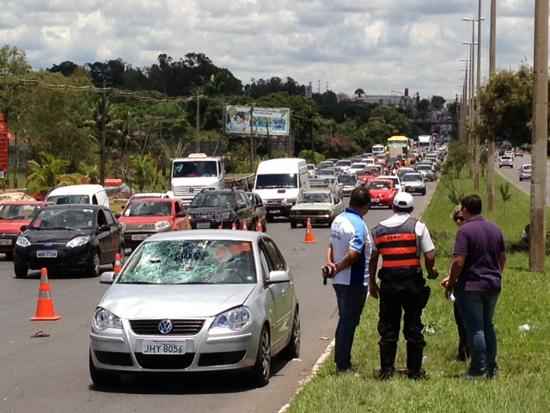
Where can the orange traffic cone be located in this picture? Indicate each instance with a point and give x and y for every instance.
(244, 227)
(234, 227)
(310, 237)
(117, 268)
(259, 226)
(44, 306)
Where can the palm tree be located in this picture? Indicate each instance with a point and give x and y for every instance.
(44, 174)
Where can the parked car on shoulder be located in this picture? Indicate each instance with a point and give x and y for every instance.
(221, 209)
(68, 239)
(14, 215)
(525, 172)
(196, 301)
(381, 192)
(144, 217)
(320, 206)
(414, 183)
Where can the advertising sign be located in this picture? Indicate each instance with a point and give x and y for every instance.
(244, 120)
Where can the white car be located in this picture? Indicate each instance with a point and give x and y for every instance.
(395, 179)
(357, 167)
(506, 160)
(196, 301)
(320, 207)
(525, 172)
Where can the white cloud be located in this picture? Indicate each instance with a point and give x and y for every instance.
(379, 45)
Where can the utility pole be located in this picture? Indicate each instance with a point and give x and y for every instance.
(198, 122)
(477, 137)
(537, 231)
(102, 113)
(491, 147)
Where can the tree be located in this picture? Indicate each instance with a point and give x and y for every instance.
(144, 172)
(66, 68)
(359, 93)
(437, 102)
(44, 174)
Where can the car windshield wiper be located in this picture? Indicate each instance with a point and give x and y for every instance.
(138, 282)
(191, 283)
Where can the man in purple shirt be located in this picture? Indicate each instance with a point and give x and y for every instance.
(475, 276)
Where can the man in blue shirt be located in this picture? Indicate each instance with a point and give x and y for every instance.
(348, 257)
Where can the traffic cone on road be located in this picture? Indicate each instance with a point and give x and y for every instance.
(117, 268)
(310, 237)
(244, 226)
(44, 307)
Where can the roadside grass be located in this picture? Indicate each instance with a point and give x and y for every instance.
(524, 357)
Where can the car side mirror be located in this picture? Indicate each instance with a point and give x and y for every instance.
(23, 228)
(107, 277)
(276, 277)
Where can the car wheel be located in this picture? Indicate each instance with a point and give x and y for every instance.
(292, 350)
(94, 268)
(293, 224)
(20, 269)
(261, 372)
(102, 378)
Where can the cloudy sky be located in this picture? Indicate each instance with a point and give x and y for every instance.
(381, 46)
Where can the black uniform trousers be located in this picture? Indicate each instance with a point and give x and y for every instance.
(406, 299)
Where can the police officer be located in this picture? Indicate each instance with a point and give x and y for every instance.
(401, 240)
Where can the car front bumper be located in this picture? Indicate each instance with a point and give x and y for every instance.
(415, 189)
(302, 217)
(68, 259)
(123, 351)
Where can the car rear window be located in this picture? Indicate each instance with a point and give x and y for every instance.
(187, 262)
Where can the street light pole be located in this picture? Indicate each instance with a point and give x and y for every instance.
(491, 147)
(537, 231)
(477, 137)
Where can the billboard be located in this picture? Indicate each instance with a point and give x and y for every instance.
(245, 120)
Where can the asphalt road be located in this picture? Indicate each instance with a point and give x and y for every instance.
(51, 374)
(512, 175)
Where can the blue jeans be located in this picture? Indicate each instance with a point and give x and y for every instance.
(477, 310)
(351, 300)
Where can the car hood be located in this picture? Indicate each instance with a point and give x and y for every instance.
(312, 206)
(12, 226)
(144, 220)
(39, 236)
(173, 301)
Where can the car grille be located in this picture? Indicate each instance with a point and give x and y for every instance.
(220, 359)
(311, 213)
(274, 202)
(165, 362)
(140, 227)
(114, 359)
(180, 327)
(187, 191)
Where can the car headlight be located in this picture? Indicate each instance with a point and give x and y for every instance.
(233, 320)
(289, 201)
(162, 226)
(104, 319)
(22, 242)
(78, 241)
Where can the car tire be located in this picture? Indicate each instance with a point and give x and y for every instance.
(94, 266)
(102, 378)
(293, 224)
(261, 372)
(21, 270)
(292, 350)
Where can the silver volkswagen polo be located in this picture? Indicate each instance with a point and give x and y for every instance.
(194, 301)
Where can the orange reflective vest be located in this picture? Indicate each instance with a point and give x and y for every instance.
(398, 245)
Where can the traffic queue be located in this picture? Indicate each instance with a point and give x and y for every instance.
(208, 299)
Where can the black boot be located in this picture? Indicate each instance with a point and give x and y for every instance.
(415, 353)
(387, 360)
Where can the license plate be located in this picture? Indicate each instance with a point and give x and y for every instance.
(275, 211)
(46, 254)
(166, 348)
(5, 242)
(375, 200)
(139, 237)
(203, 225)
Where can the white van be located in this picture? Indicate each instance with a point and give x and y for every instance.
(280, 183)
(193, 174)
(79, 194)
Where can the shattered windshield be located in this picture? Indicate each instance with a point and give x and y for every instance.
(182, 262)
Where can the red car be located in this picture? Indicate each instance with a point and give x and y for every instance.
(143, 217)
(13, 215)
(381, 192)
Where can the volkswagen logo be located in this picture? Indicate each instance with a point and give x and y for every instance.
(165, 327)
